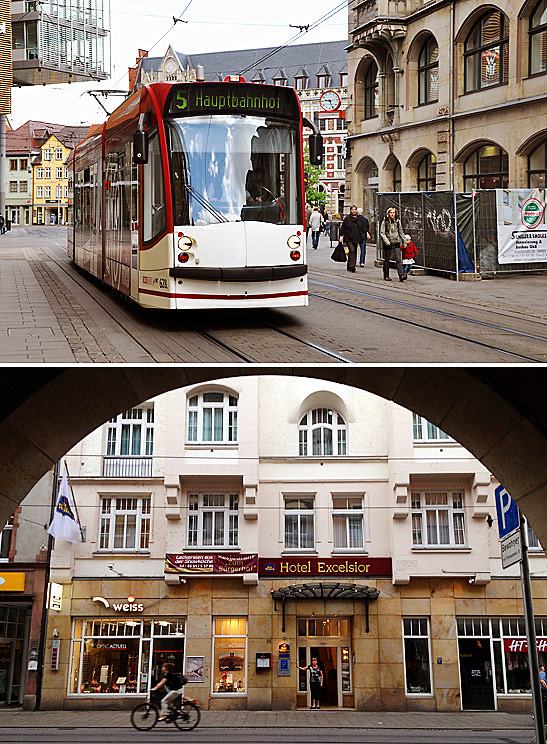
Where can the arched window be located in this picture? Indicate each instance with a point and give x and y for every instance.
(538, 39)
(397, 177)
(427, 173)
(537, 167)
(486, 52)
(212, 417)
(486, 168)
(371, 91)
(428, 72)
(322, 431)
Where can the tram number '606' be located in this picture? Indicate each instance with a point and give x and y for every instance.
(163, 284)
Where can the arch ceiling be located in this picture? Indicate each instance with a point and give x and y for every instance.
(499, 415)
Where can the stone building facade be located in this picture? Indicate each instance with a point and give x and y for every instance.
(240, 528)
(446, 96)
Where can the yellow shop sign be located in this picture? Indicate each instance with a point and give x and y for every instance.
(12, 582)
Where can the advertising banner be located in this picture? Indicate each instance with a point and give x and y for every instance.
(522, 229)
(211, 563)
(521, 645)
(6, 64)
(354, 566)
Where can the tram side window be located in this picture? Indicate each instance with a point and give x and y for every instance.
(154, 216)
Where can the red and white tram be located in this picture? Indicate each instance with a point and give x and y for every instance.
(192, 196)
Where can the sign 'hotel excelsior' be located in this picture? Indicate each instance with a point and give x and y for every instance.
(234, 563)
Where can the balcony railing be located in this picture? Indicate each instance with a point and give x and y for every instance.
(127, 467)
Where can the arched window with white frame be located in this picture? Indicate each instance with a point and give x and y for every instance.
(322, 432)
(212, 417)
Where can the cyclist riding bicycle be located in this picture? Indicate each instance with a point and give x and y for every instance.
(174, 684)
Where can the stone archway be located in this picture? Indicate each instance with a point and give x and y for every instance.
(499, 415)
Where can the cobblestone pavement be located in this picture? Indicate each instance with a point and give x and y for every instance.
(52, 313)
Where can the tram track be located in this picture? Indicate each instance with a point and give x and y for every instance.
(140, 333)
(442, 314)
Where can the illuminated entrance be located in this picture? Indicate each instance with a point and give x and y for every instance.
(328, 639)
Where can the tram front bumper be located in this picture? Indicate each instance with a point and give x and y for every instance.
(243, 274)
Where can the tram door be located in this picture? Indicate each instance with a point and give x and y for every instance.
(477, 686)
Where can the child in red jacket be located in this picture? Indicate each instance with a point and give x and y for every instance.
(409, 250)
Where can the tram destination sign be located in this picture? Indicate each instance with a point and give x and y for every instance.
(194, 99)
(354, 566)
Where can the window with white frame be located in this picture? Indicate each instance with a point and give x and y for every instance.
(299, 523)
(212, 417)
(438, 519)
(124, 523)
(47, 172)
(39, 172)
(59, 172)
(131, 433)
(5, 539)
(213, 520)
(417, 656)
(59, 153)
(322, 432)
(59, 191)
(39, 192)
(347, 523)
(425, 431)
(532, 539)
(47, 191)
(47, 154)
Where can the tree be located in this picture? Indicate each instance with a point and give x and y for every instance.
(312, 176)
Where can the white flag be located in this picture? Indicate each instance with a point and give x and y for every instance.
(64, 524)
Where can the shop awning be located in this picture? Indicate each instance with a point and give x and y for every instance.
(325, 590)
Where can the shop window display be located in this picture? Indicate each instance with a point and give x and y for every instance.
(417, 656)
(111, 656)
(229, 674)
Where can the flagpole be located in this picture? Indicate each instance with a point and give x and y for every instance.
(74, 500)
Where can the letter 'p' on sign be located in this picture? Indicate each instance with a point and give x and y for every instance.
(507, 511)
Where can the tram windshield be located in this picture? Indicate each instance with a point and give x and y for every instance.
(232, 168)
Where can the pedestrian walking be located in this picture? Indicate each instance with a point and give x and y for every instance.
(316, 224)
(364, 237)
(2, 225)
(543, 686)
(408, 251)
(316, 682)
(309, 210)
(350, 231)
(393, 237)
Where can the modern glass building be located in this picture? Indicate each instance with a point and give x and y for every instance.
(59, 41)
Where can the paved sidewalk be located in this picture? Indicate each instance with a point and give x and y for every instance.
(485, 721)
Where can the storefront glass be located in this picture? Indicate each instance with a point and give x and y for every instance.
(417, 656)
(229, 673)
(111, 656)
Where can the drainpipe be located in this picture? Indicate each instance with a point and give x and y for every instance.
(42, 647)
(451, 102)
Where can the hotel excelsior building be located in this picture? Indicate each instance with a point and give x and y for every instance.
(240, 528)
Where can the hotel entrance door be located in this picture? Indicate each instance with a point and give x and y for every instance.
(326, 639)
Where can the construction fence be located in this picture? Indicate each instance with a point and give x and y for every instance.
(491, 232)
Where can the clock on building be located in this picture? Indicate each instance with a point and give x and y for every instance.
(329, 100)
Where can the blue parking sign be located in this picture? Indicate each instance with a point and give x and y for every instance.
(508, 513)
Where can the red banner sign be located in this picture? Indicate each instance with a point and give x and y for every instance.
(521, 645)
(211, 563)
(355, 566)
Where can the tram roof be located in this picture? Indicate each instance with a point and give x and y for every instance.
(290, 60)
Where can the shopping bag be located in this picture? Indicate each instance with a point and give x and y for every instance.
(339, 253)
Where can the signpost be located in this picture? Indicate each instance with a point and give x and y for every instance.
(514, 548)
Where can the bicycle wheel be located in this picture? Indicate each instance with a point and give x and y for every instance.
(188, 716)
(144, 716)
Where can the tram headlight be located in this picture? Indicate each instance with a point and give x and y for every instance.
(295, 255)
(294, 242)
(185, 243)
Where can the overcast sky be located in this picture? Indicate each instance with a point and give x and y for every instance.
(212, 26)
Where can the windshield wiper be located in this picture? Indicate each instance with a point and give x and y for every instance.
(202, 201)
